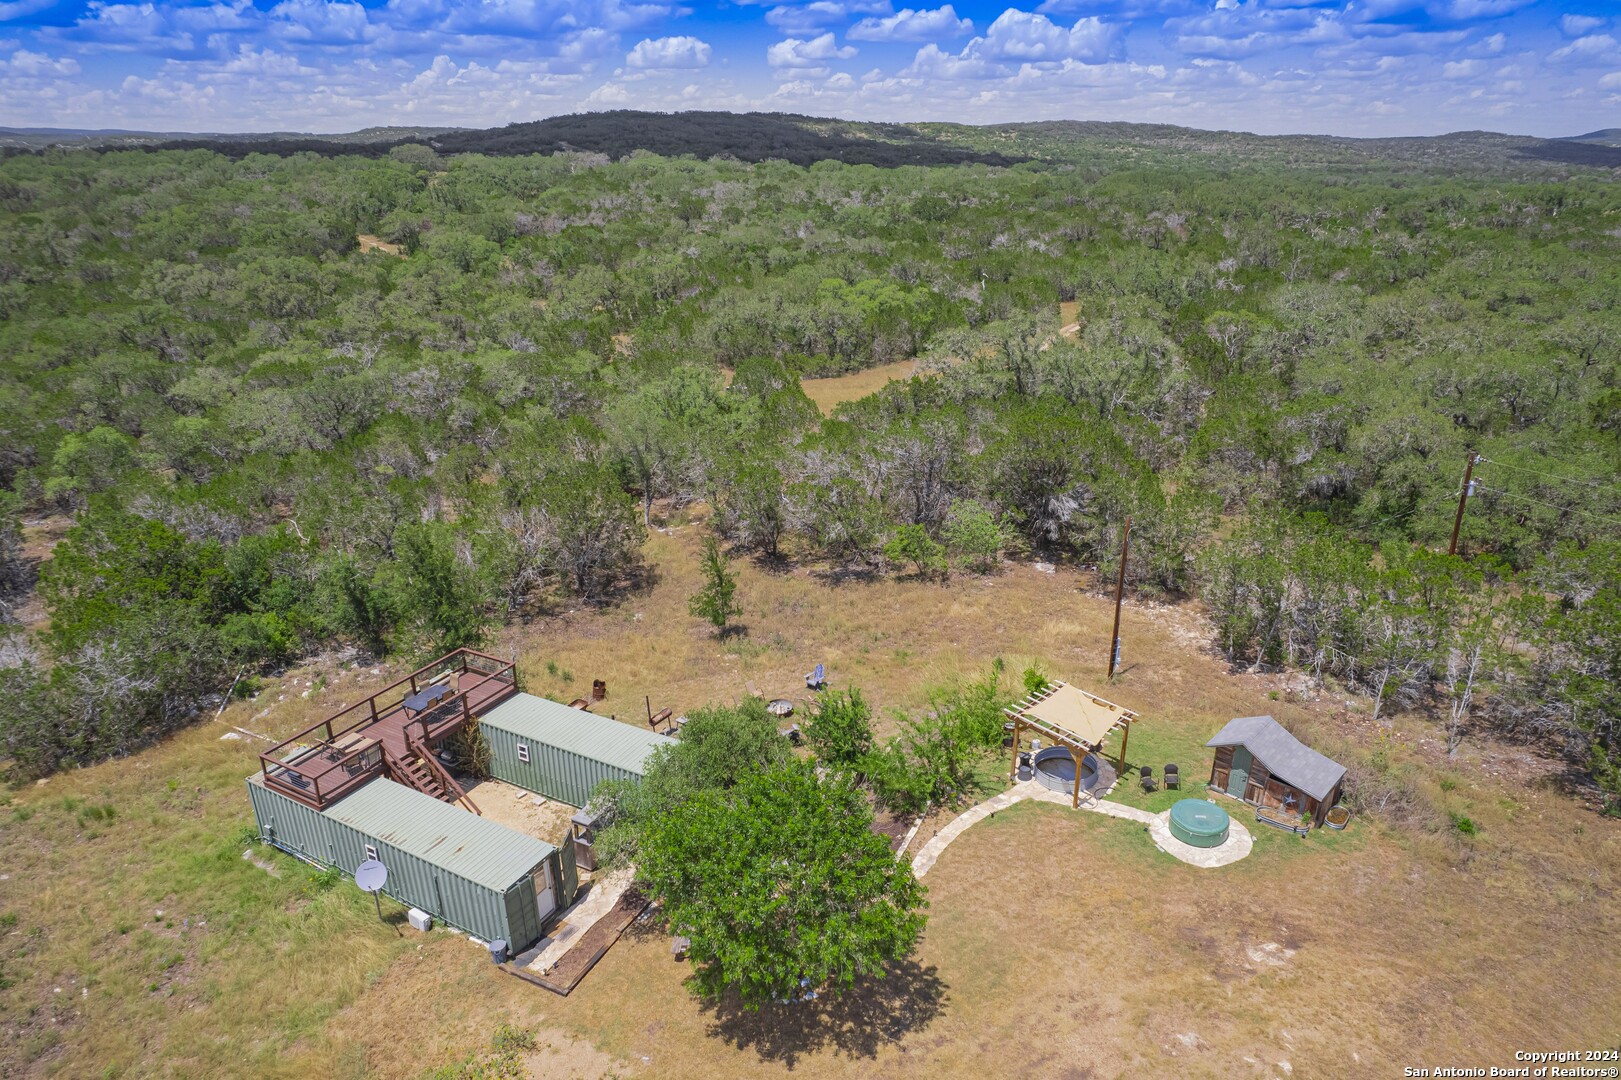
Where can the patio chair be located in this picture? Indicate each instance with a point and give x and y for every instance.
(1148, 778)
(816, 679)
(1173, 778)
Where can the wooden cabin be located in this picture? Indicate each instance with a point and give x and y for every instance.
(1257, 760)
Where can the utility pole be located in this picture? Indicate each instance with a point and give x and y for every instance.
(1463, 497)
(1119, 594)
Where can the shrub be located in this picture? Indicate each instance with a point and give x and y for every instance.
(975, 536)
(840, 728)
(913, 544)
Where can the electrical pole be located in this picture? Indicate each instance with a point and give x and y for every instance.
(1463, 497)
(1119, 594)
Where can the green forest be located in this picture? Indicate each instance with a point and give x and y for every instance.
(272, 437)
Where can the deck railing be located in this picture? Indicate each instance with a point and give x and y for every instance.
(311, 767)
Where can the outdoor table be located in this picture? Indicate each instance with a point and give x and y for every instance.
(426, 698)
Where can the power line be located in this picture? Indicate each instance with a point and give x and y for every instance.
(1551, 506)
(1545, 475)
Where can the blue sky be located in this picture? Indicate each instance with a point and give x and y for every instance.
(1352, 67)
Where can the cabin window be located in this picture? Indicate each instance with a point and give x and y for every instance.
(523, 752)
(371, 852)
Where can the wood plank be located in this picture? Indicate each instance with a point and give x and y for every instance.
(566, 974)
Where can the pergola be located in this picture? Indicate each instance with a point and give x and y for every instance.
(1072, 718)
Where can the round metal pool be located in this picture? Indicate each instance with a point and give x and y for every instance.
(1199, 823)
(1055, 769)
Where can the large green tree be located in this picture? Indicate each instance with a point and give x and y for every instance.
(782, 886)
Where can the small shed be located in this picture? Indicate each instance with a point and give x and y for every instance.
(1257, 760)
(472, 873)
(560, 752)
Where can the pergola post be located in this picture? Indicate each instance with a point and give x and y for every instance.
(1013, 768)
(1125, 734)
(1075, 784)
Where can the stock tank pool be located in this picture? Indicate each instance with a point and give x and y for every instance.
(1199, 823)
(1055, 770)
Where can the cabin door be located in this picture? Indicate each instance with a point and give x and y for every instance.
(1240, 775)
(545, 894)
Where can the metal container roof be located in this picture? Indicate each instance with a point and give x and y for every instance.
(576, 731)
(449, 837)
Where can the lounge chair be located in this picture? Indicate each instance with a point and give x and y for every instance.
(816, 679)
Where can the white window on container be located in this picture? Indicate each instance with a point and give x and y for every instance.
(523, 752)
(371, 852)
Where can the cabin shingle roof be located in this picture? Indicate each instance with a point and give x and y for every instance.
(1285, 756)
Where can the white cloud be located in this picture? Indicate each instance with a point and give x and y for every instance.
(1481, 9)
(38, 65)
(910, 24)
(1612, 81)
(16, 9)
(1245, 29)
(802, 20)
(1023, 35)
(799, 53)
(321, 22)
(1577, 25)
(1459, 69)
(669, 52)
(1591, 47)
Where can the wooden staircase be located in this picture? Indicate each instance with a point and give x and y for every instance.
(420, 771)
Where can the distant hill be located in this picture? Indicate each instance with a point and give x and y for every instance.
(38, 138)
(1607, 136)
(804, 140)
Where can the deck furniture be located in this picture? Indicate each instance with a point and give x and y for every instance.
(426, 698)
(1148, 778)
(816, 679)
(1173, 778)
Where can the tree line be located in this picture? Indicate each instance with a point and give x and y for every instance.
(268, 439)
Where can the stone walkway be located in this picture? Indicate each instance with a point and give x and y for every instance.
(1237, 845)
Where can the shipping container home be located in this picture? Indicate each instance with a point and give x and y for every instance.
(474, 874)
(561, 752)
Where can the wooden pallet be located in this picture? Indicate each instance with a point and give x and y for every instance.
(566, 974)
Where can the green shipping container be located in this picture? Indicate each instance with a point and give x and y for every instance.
(560, 752)
(474, 874)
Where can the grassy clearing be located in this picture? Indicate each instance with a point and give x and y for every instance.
(1056, 940)
(830, 392)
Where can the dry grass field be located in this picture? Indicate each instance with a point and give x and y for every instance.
(830, 392)
(137, 940)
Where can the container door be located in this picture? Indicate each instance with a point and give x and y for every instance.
(545, 895)
(1239, 777)
(569, 872)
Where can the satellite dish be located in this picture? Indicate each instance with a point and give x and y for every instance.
(371, 876)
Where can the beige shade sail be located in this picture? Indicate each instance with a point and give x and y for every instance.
(1088, 717)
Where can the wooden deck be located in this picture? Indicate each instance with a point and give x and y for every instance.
(379, 736)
